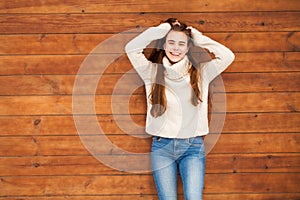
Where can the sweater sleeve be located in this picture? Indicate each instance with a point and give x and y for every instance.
(134, 49)
(223, 56)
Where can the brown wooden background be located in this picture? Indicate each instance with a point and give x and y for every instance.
(44, 42)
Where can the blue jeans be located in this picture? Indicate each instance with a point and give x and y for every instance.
(186, 155)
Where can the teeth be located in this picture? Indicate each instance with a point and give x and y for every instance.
(175, 54)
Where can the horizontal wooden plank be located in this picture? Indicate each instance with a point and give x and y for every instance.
(70, 64)
(47, 44)
(238, 196)
(92, 6)
(153, 197)
(245, 163)
(21, 146)
(115, 23)
(73, 145)
(258, 102)
(265, 62)
(259, 143)
(131, 83)
(136, 104)
(134, 124)
(94, 197)
(77, 185)
(143, 184)
(47, 85)
(260, 123)
(65, 125)
(33, 65)
(33, 44)
(260, 183)
(89, 165)
(260, 82)
(261, 196)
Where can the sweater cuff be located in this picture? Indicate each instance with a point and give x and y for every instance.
(165, 26)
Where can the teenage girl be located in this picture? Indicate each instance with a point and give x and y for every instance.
(177, 102)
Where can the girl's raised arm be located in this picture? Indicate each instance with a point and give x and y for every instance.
(223, 56)
(134, 48)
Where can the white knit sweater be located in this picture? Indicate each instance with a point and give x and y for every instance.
(181, 119)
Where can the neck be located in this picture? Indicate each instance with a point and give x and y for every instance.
(171, 62)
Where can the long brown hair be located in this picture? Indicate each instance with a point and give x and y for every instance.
(157, 95)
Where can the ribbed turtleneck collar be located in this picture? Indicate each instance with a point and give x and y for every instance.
(178, 70)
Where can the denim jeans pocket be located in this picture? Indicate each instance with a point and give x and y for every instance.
(156, 138)
(195, 141)
(158, 143)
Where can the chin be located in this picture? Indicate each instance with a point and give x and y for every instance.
(174, 58)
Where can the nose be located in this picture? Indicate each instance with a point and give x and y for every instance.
(175, 47)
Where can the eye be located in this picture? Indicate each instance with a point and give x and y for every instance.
(181, 43)
(171, 42)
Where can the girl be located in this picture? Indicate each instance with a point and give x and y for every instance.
(177, 105)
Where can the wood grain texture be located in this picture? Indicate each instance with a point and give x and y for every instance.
(126, 84)
(89, 165)
(98, 185)
(77, 145)
(249, 196)
(136, 104)
(37, 44)
(92, 6)
(134, 124)
(70, 64)
(44, 151)
(115, 23)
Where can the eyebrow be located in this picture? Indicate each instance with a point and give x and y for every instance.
(181, 42)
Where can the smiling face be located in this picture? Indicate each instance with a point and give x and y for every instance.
(176, 45)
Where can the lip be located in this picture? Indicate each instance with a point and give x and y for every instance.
(175, 54)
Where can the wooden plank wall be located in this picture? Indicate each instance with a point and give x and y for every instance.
(44, 42)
